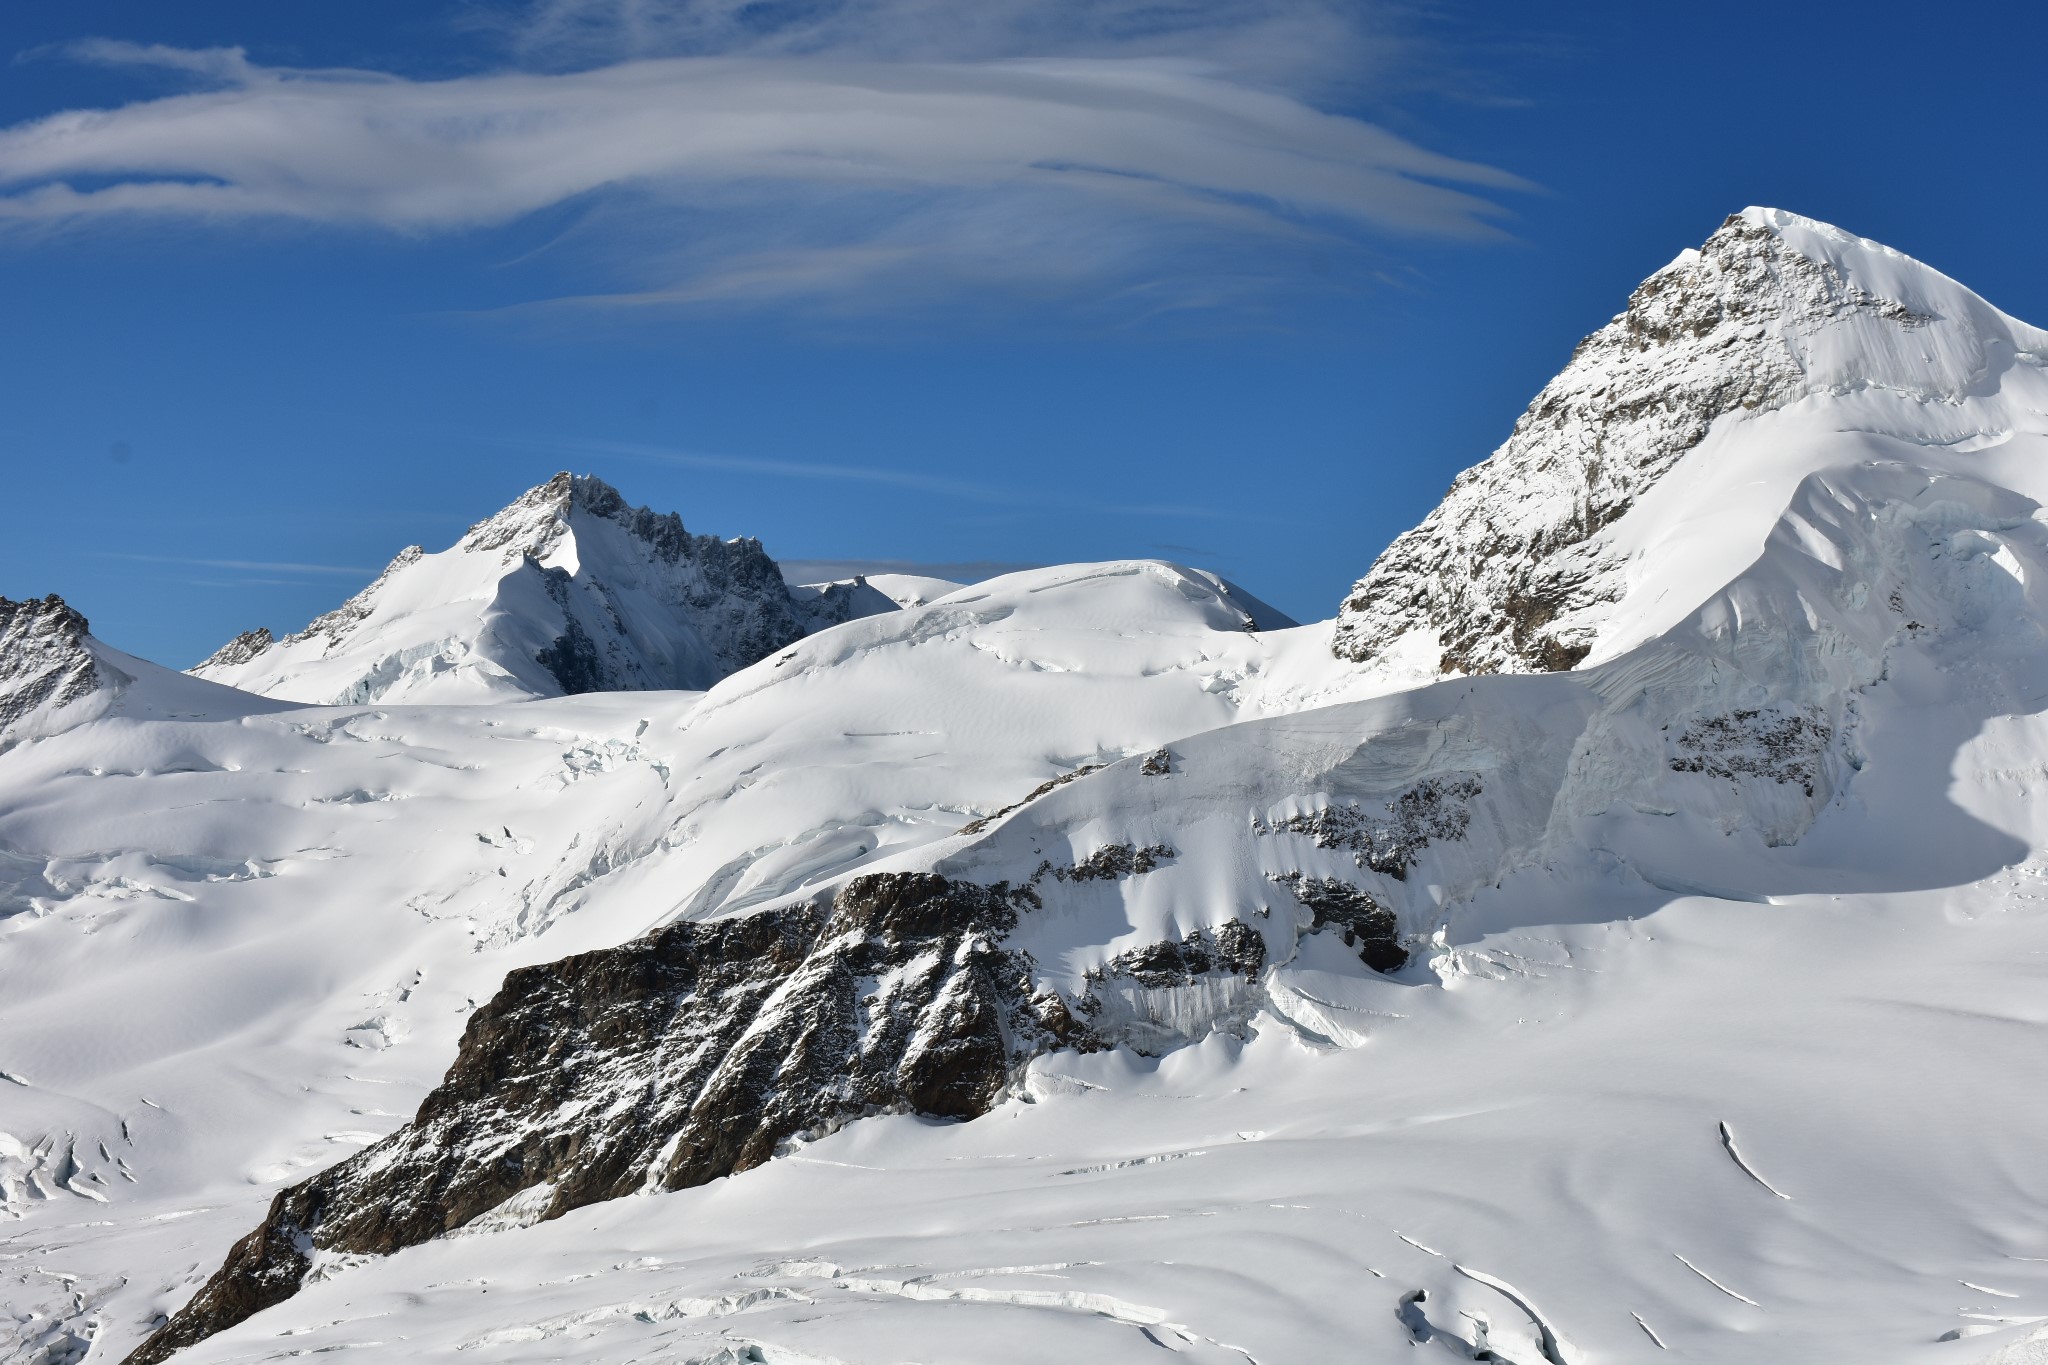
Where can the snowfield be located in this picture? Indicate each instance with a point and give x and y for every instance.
(1336, 998)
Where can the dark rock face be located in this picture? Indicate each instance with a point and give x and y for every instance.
(1777, 743)
(697, 1052)
(1233, 947)
(1115, 860)
(726, 593)
(264, 1268)
(44, 661)
(572, 659)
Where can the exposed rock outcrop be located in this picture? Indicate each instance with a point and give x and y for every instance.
(44, 662)
(1387, 839)
(1365, 925)
(240, 650)
(697, 1052)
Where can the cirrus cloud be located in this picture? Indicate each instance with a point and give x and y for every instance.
(749, 175)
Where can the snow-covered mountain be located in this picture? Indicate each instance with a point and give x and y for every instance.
(1082, 965)
(1560, 547)
(569, 589)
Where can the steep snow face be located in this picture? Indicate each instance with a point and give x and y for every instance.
(567, 590)
(1734, 373)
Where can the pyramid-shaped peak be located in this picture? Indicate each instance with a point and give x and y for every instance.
(1784, 223)
(1516, 571)
(534, 523)
(1768, 275)
(45, 661)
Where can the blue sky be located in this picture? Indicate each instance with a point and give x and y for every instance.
(1240, 283)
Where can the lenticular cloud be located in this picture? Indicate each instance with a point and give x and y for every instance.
(1143, 147)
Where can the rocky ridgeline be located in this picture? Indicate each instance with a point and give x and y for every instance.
(730, 591)
(44, 662)
(1507, 569)
(701, 1050)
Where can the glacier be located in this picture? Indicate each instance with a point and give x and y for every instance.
(1617, 932)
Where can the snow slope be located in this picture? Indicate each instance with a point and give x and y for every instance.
(1679, 1002)
(569, 589)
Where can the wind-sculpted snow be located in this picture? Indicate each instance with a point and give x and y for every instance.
(569, 589)
(1517, 569)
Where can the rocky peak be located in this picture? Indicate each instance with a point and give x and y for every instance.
(45, 663)
(570, 588)
(241, 649)
(1508, 573)
(536, 521)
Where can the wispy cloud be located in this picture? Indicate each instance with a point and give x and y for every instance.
(809, 471)
(879, 147)
(250, 565)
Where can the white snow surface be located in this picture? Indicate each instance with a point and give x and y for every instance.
(1716, 1043)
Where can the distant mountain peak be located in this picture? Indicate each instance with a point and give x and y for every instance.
(1512, 572)
(536, 520)
(568, 588)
